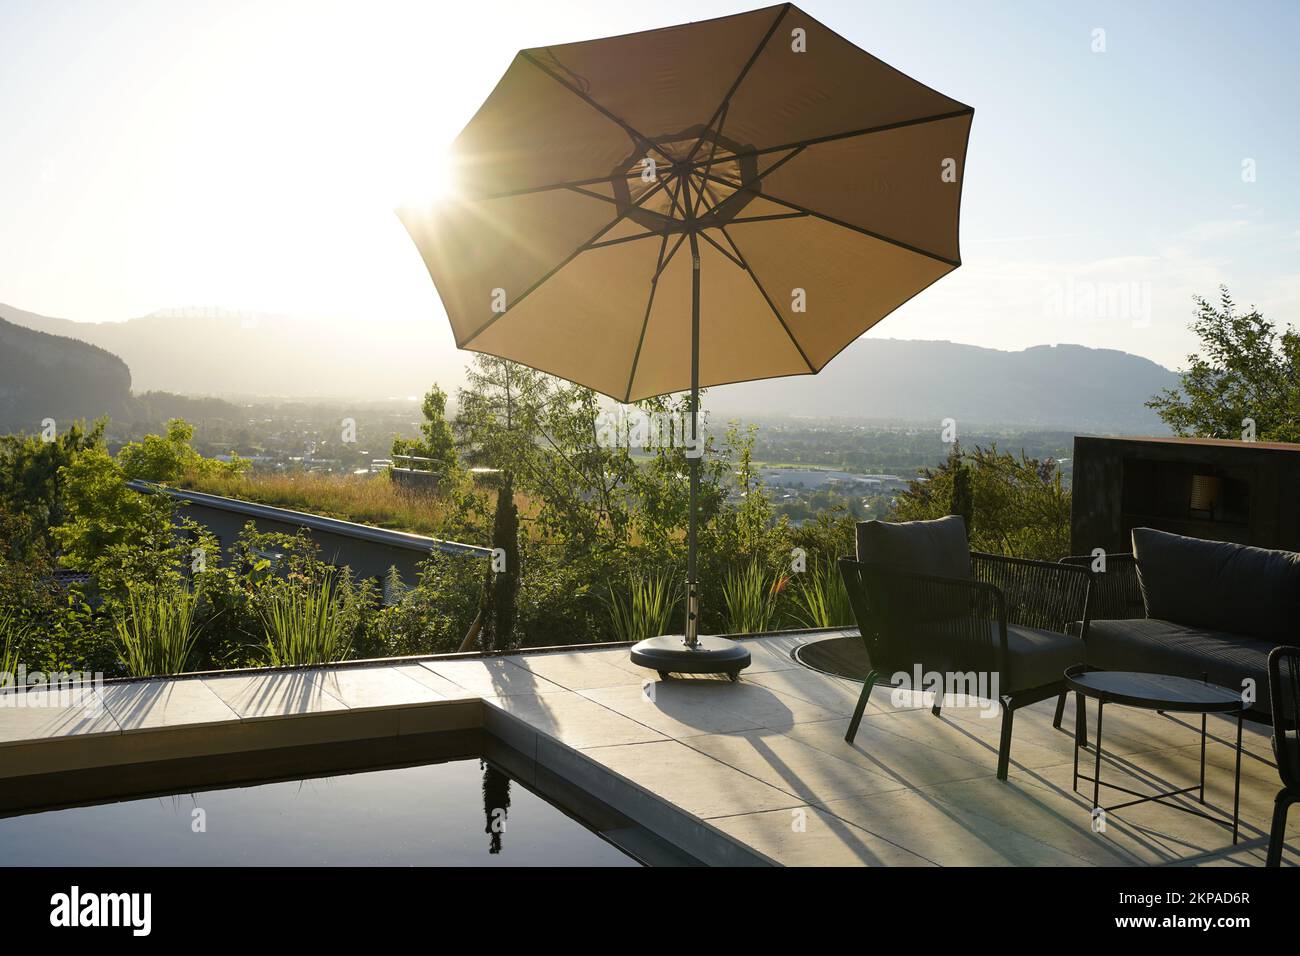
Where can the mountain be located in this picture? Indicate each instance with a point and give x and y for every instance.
(51, 376)
(202, 352)
(228, 353)
(1046, 386)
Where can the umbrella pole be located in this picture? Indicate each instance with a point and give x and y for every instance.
(688, 653)
(693, 460)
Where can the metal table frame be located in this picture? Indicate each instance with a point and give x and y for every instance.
(1164, 797)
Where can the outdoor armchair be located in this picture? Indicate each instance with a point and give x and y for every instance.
(925, 604)
(1284, 692)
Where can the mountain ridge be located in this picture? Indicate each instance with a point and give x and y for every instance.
(58, 377)
(886, 379)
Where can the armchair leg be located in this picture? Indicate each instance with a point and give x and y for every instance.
(869, 683)
(938, 701)
(1060, 710)
(1277, 835)
(1004, 749)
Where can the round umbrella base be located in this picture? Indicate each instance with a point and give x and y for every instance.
(710, 655)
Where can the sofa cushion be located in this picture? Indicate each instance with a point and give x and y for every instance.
(925, 547)
(1165, 647)
(1219, 586)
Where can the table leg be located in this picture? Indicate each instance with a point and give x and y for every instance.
(1075, 785)
(1096, 773)
(1202, 758)
(1236, 786)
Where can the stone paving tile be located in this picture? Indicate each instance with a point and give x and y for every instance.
(832, 693)
(444, 688)
(146, 705)
(1152, 833)
(581, 671)
(693, 781)
(492, 677)
(947, 833)
(810, 836)
(37, 716)
(276, 694)
(674, 708)
(374, 686)
(574, 720)
(790, 765)
(894, 756)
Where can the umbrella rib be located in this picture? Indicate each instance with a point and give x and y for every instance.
(775, 215)
(645, 322)
(622, 239)
(865, 131)
(636, 135)
(713, 242)
(654, 285)
(744, 72)
(768, 299)
(713, 152)
(571, 184)
(564, 262)
(846, 225)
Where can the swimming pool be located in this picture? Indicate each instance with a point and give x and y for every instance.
(467, 811)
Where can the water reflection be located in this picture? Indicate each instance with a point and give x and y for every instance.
(496, 804)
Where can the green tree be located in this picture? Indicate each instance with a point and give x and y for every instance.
(170, 457)
(32, 478)
(1019, 505)
(962, 498)
(1246, 369)
(436, 441)
(505, 581)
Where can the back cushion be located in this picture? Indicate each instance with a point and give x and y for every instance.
(1218, 585)
(926, 547)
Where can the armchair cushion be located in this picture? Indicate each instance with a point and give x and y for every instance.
(1034, 658)
(1219, 586)
(936, 547)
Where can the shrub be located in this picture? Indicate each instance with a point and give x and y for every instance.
(155, 632)
(646, 608)
(819, 598)
(12, 633)
(305, 623)
(749, 595)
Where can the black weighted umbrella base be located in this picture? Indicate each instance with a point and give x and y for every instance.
(711, 655)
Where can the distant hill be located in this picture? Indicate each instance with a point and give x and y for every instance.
(895, 380)
(238, 354)
(51, 376)
(1061, 386)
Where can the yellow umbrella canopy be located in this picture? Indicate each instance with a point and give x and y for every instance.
(819, 186)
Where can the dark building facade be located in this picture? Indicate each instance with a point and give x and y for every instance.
(1222, 490)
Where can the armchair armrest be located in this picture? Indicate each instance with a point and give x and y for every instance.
(908, 618)
(1039, 594)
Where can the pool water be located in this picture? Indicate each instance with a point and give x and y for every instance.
(458, 813)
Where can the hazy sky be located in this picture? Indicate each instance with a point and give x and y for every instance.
(249, 155)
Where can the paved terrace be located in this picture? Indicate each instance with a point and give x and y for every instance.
(752, 759)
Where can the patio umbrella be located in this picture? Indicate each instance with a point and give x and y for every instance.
(721, 201)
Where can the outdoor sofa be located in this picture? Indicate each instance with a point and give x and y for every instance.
(1207, 610)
